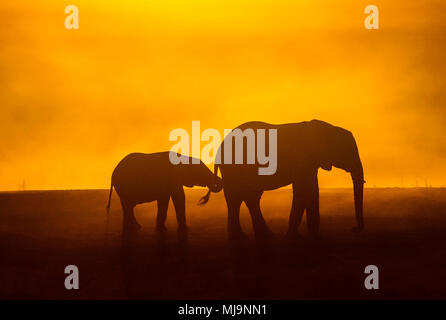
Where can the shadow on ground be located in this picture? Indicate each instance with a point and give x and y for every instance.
(42, 232)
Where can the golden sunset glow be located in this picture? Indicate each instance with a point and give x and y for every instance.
(74, 102)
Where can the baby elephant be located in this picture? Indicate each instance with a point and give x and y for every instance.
(140, 178)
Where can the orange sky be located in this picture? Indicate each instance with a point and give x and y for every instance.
(74, 102)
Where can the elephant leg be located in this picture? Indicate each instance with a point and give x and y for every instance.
(297, 210)
(163, 204)
(260, 228)
(312, 204)
(129, 221)
(233, 202)
(179, 201)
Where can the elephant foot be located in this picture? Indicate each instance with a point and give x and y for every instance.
(136, 225)
(237, 236)
(132, 227)
(265, 234)
(161, 229)
(292, 236)
(318, 245)
(182, 229)
(317, 241)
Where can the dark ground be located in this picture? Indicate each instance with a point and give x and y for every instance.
(42, 232)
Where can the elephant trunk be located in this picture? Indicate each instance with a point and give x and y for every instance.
(215, 185)
(358, 191)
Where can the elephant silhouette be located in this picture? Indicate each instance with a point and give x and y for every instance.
(140, 178)
(302, 148)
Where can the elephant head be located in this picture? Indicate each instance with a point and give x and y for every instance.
(335, 146)
(196, 173)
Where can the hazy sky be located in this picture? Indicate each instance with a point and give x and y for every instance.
(74, 102)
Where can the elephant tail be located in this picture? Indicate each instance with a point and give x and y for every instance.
(109, 198)
(215, 188)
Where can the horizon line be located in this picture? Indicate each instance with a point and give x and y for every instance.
(201, 188)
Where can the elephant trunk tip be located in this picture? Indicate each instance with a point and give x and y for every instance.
(205, 199)
(212, 188)
(358, 187)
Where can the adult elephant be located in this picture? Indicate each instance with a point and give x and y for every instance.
(302, 148)
(141, 177)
